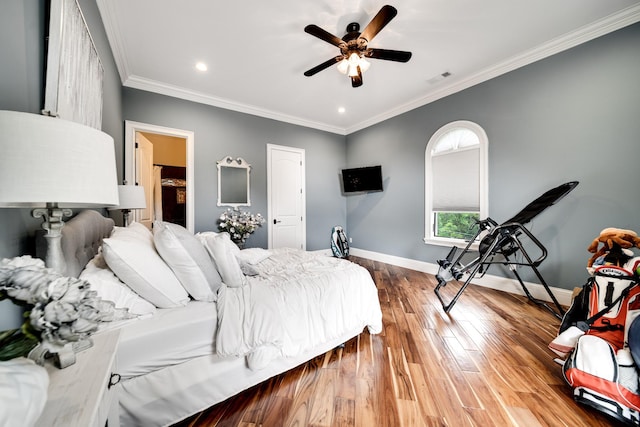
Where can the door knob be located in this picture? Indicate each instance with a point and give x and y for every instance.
(276, 221)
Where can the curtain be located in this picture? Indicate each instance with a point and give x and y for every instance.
(157, 193)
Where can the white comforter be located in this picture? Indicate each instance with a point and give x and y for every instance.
(297, 300)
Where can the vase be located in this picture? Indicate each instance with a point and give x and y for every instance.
(240, 244)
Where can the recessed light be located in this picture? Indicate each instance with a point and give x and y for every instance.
(201, 66)
(341, 110)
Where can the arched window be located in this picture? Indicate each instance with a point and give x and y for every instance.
(456, 182)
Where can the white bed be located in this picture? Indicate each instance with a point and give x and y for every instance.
(271, 311)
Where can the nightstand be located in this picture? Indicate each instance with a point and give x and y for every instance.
(79, 395)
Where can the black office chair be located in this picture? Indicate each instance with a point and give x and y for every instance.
(500, 245)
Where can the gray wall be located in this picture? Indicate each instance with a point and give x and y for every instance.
(573, 116)
(219, 133)
(22, 46)
(21, 89)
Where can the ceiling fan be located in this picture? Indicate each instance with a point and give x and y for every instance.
(354, 47)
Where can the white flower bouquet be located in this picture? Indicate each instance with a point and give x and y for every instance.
(239, 224)
(62, 310)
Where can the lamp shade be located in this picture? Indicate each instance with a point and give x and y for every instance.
(131, 197)
(51, 160)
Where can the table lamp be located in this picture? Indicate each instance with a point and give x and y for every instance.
(52, 165)
(131, 197)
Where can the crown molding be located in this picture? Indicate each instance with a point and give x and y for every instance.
(107, 12)
(189, 95)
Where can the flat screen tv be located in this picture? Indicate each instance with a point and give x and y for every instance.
(365, 179)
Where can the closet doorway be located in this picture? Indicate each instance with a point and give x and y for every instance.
(161, 160)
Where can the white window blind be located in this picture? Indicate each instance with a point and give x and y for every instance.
(456, 181)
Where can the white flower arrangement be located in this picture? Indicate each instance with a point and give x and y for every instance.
(63, 310)
(239, 224)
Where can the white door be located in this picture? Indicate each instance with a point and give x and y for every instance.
(286, 197)
(144, 177)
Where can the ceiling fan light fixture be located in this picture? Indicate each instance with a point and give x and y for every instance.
(354, 65)
(353, 70)
(354, 47)
(343, 66)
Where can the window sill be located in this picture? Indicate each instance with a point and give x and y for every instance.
(449, 242)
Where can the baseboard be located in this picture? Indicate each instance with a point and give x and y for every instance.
(489, 281)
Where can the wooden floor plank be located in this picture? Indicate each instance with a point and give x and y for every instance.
(424, 392)
(486, 363)
(522, 417)
(344, 413)
(491, 405)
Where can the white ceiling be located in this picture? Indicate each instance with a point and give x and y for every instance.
(256, 55)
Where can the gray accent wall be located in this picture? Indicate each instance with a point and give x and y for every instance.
(573, 116)
(21, 89)
(219, 133)
(22, 47)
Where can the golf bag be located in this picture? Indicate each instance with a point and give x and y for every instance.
(339, 242)
(594, 334)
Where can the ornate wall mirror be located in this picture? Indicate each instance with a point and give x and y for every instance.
(233, 182)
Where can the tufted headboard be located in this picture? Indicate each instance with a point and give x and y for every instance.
(82, 237)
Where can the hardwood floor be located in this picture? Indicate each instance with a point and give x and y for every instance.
(486, 363)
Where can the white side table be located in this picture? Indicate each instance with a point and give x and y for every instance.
(79, 395)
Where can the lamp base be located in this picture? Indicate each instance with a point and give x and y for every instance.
(53, 224)
(125, 217)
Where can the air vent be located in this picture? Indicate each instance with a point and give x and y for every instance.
(439, 78)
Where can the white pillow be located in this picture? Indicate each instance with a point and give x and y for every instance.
(188, 259)
(23, 391)
(133, 258)
(110, 288)
(221, 249)
(134, 229)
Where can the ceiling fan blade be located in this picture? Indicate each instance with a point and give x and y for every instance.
(324, 65)
(356, 81)
(314, 30)
(384, 16)
(388, 55)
